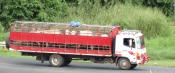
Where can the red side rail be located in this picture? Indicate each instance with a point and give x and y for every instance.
(72, 44)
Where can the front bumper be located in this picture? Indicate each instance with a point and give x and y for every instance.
(145, 58)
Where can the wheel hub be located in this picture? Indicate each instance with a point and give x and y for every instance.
(124, 64)
(55, 61)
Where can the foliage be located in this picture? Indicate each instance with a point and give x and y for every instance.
(16, 10)
(152, 22)
(42, 10)
(3, 36)
(161, 48)
(1, 28)
(132, 14)
(167, 6)
(50, 10)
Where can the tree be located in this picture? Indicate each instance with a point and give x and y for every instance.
(40, 10)
(52, 9)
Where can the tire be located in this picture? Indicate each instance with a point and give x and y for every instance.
(67, 61)
(133, 66)
(124, 64)
(56, 60)
(7, 44)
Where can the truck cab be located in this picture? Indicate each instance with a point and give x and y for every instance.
(129, 45)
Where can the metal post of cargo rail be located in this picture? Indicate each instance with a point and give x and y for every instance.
(42, 56)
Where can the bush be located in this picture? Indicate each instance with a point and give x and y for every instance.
(152, 22)
(31, 10)
(1, 28)
(3, 35)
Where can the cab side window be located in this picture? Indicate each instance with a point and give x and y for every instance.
(126, 42)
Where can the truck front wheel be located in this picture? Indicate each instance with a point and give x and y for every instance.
(124, 63)
(56, 60)
(133, 66)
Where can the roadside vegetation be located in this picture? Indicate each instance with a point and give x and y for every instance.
(161, 48)
(165, 63)
(5, 52)
(154, 18)
(3, 35)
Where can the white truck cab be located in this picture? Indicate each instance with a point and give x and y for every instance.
(129, 44)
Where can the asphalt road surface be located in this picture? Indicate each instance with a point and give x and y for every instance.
(21, 65)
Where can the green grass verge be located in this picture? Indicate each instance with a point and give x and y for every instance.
(165, 63)
(6, 53)
(161, 48)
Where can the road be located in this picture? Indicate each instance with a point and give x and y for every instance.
(23, 65)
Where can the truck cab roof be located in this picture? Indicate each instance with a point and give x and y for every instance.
(130, 33)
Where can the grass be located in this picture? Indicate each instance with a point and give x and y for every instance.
(3, 36)
(161, 51)
(161, 48)
(165, 63)
(5, 52)
(151, 21)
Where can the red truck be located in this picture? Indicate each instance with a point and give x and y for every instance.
(60, 43)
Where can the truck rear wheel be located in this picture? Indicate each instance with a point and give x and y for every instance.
(67, 61)
(56, 60)
(124, 64)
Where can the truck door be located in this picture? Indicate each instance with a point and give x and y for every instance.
(129, 43)
(124, 45)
